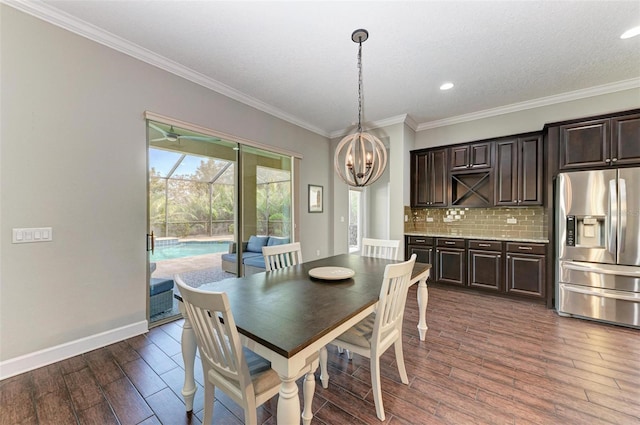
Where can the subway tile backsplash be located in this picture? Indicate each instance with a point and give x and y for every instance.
(521, 222)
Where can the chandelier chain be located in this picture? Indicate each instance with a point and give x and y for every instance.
(360, 87)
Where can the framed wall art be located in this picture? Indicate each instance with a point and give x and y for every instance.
(315, 198)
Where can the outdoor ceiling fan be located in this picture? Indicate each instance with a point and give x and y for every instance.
(171, 135)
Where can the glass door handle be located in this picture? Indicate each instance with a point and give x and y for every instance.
(151, 242)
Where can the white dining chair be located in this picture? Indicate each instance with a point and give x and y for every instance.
(281, 256)
(243, 375)
(380, 248)
(373, 335)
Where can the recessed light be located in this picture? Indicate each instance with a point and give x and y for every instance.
(446, 86)
(631, 33)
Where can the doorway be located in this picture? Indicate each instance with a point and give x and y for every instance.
(355, 219)
(191, 192)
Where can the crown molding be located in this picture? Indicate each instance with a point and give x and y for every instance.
(535, 103)
(68, 22)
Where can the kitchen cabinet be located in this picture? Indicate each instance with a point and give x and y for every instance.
(451, 260)
(429, 178)
(472, 156)
(423, 247)
(526, 269)
(507, 268)
(485, 267)
(518, 171)
(625, 139)
(600, 142)
(470, 169)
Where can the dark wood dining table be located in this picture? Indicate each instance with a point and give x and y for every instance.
(286, 316)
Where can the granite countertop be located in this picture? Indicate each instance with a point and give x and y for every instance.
(491, 237)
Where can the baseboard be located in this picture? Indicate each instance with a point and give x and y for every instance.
(47, 356)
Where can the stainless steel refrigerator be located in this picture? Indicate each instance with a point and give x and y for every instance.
(598, 245)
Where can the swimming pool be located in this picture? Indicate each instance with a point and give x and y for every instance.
(187, 249)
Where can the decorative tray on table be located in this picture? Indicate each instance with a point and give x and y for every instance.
(331, 273)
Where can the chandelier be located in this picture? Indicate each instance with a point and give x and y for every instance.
(360, 158)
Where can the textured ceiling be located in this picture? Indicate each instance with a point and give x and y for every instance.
(297, 61)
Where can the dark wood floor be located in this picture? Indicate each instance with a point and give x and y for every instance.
(486, 360)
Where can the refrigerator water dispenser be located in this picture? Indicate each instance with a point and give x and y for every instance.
(586, 231)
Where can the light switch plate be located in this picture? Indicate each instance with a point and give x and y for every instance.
(32, 234)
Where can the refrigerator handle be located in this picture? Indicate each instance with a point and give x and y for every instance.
(623, 213)
(613, 218)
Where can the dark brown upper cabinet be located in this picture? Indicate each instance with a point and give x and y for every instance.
(518, 171)
(429, 178)
(600, 142)
(473, 156)
(625, 139)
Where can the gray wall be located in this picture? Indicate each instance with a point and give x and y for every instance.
(73, 156)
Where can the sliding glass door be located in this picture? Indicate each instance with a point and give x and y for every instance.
(207, 195)
(265, 207)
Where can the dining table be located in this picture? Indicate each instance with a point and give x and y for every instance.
(287, 316)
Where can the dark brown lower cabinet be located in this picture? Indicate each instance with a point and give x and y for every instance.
(451, 260)
(485, 265)
(424, 250)
(513, 268)
(526, 269)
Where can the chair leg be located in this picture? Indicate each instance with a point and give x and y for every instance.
(400, 360)
(324, 374)
(375, 383)
(209, 399)
(250, 415)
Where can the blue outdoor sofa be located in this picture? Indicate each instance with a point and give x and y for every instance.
(252, 259)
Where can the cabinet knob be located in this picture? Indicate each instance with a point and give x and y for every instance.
(607, 160)
(614, 159)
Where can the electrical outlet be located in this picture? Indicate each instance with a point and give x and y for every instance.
(318, 252)
(406, 218)
(512, 220)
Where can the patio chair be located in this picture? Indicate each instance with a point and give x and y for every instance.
(372, 336)
(243, 375)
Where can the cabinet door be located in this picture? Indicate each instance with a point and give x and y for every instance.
(530, 171)
(506, 175)
(419, 180)
(470, 157)
(485, 269)
(439, 193)
(480, 155)
(625, 139)
(526, 274)
(451, 266)
(424, 254)
(459, 157)
(584, 144)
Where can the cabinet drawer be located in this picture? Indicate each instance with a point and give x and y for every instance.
(451, 243)
(485, 245)
(419, 240)
(527, 248)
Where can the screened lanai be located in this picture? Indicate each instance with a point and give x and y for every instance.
(192, 196)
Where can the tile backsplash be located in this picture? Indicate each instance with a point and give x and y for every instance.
(521, 222)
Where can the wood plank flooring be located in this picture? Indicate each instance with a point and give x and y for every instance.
(486, 360)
